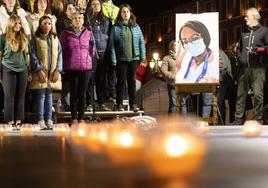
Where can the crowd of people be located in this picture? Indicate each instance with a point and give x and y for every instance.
(76, 46)
(70, 46)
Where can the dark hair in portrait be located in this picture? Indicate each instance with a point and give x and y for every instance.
(199, 28)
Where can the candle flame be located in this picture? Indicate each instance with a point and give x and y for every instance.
(103, 136)
(81, 132)
(126, 139)
(176, 146)
(251, 128)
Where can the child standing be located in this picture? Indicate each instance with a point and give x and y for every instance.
(46, 61)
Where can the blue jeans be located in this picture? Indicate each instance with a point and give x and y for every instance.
(44, 104)
(184, 98)
(207, 104)
(172, 99)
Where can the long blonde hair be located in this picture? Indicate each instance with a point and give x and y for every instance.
(16, 41)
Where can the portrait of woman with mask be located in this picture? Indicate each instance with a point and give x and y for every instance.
(196, 62)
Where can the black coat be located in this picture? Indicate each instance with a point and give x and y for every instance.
(250, 40)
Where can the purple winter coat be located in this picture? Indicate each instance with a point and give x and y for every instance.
(77, 51)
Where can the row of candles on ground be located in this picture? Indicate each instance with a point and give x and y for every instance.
(30, 129)
(250, 129)
(174, 148)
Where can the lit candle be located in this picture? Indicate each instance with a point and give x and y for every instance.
(78, 132)
(125, 146)
(97, 137)
(252, 128)
(201, 127)
(3, 129)
(175, 155)
(26, 130)
(62, 130)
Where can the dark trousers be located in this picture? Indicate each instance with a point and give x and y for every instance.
(250, 77)
(90, 98)
(172, 99)
(64, 92)
(14, 85)
(126, 72)
(226, 91)
(78, 81)
(101, 77)
(111, 82)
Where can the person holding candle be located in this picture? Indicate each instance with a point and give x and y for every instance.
(14, 48)
(46, 61)
(78, 53)
(127, 51)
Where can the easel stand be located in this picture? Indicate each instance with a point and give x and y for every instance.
(199, 88)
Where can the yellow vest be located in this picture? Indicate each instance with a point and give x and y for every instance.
(42, 55)
(110, 10)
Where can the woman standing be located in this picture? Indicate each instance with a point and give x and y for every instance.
(78, 53)
(41, 8)
(14, 57)
(46, 61)
(100, 26)
(8, 8)
(127, 51)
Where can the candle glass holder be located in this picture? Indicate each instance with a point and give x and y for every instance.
(125, 144)
(252, 128)
(174, 150)
(26, 130)
(78, 133)
(4, 129)
(61, 129)
(97, 137)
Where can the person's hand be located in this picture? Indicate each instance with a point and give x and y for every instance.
(179, 56)
(42, 76)
(55, 76)
(30, 78)
(144, 64)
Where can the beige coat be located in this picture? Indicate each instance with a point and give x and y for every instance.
(42, 55)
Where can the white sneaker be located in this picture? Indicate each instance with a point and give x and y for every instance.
(42, 124)
(50, 124)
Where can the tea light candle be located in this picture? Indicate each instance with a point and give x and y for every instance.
(26, 130)
(3, 129)
(175, 155)
(78, 132)
(252, 128)
(125, 148)
(202, 127)
(96, 137)
(62, 130)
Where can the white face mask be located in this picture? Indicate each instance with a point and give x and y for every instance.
(196, 48)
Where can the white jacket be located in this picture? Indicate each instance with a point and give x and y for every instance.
(4, 18)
